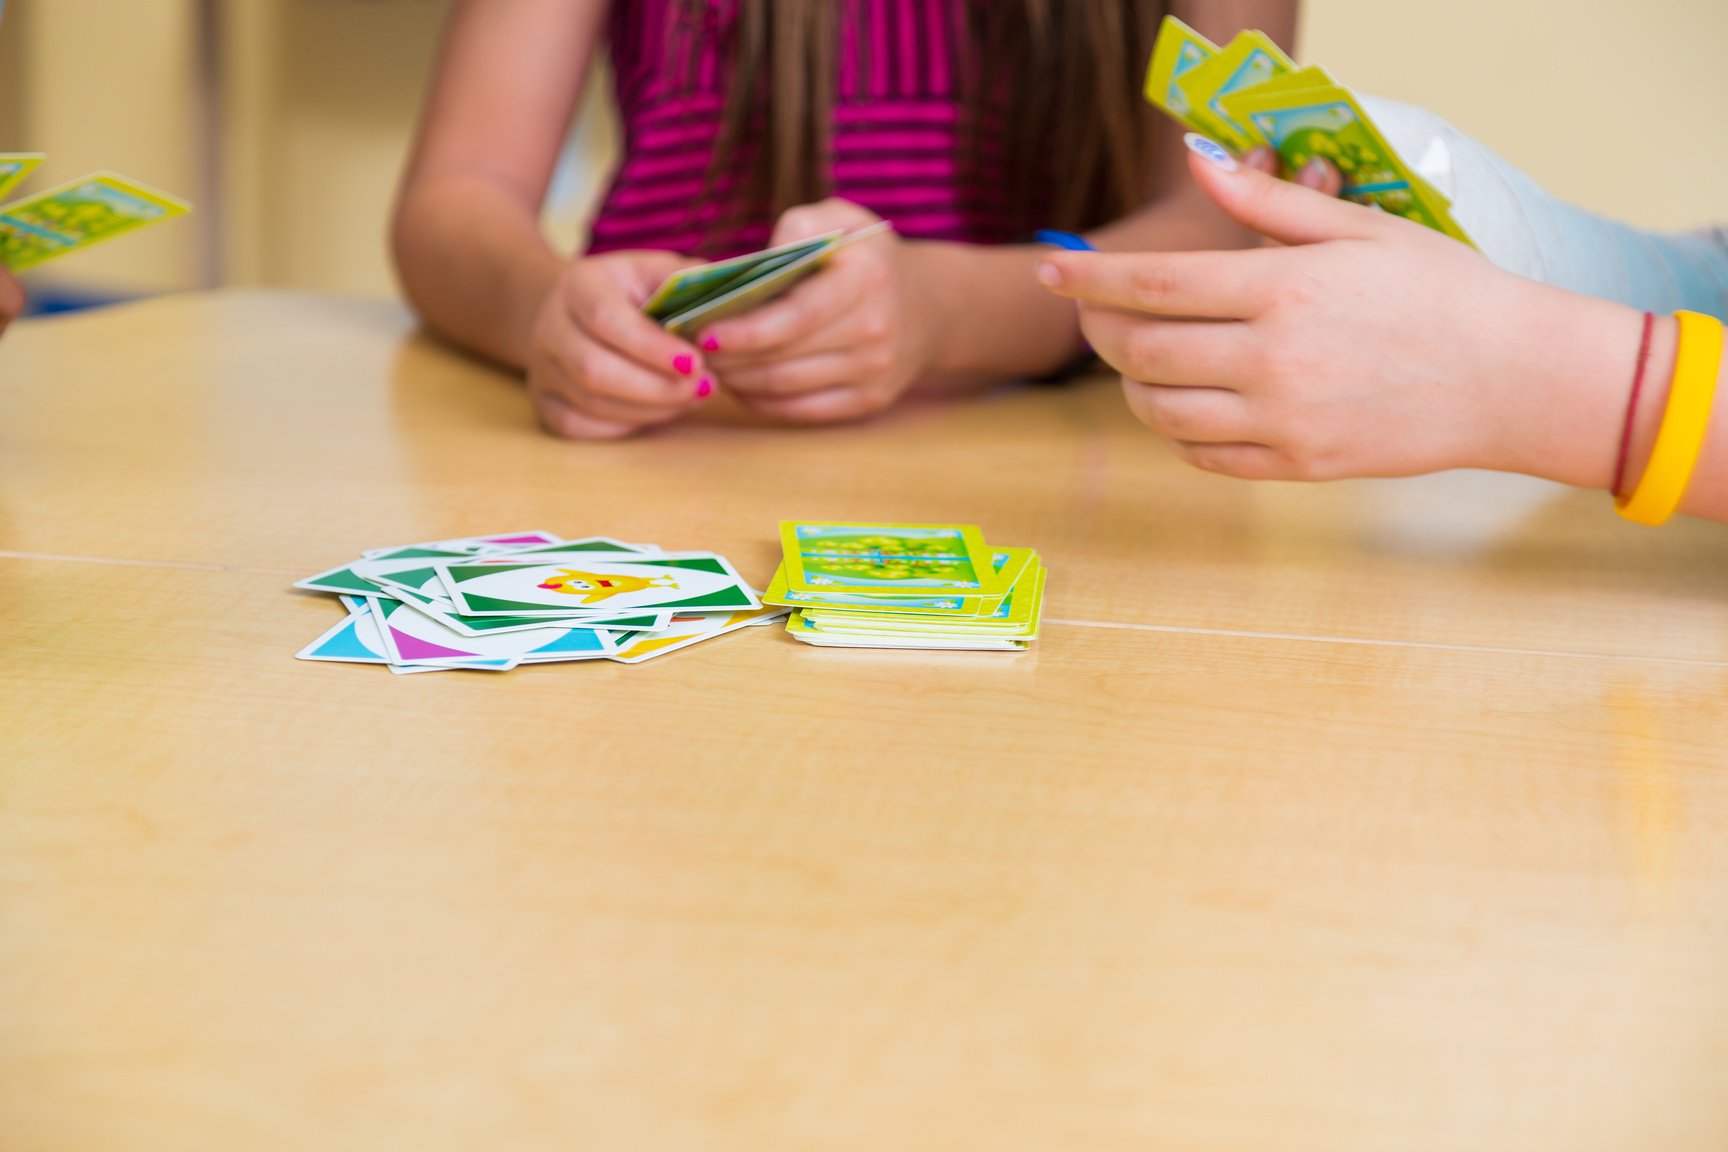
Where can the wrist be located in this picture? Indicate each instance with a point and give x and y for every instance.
(532, 284)
(1645, 420)
(986, 314)
(926, 282)
(1568, 378)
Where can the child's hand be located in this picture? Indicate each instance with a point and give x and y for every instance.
(843, 344)
(11, 298)
(598, 368)
(1369, 346)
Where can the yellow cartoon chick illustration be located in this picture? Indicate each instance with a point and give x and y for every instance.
(594, 588)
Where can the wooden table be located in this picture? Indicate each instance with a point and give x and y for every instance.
(1367, 816)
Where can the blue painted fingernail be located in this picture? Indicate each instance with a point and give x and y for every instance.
(1211, 150)
(1063, 240)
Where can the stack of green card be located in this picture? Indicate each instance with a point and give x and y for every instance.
(73, 216)
(490, 603)
(692, 298)
(1249, 94)
(937, 586)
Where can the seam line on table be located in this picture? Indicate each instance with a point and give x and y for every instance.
(54, 557)
(1368, 642)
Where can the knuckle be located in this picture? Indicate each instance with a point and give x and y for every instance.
(583, 366)
(1173, 420)
(1299, 446)
(776, 380)
(1300, 464)
(557, 418)
(1203, 457)
(1144, 351)
(1143, 401)
(1151, 282)
(1280, 374)
(603, 322)
(874, 327)
(858, 405)
(878, 396)
(795, 317)
(1264, 368)
(1293, 292)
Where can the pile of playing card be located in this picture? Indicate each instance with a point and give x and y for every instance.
(1249, 94)
(493, 602)
(73, 216)
(934, 586)
(692, 298)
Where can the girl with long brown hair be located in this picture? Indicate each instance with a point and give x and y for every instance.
(966, 123)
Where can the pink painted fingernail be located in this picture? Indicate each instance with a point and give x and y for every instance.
(704, 388)
(709, 344)
(683, 363)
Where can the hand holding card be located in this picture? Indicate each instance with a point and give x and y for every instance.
(598, 367)
(842, 344)
(1249, 95)
(11, 299)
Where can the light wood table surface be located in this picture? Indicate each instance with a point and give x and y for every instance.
(1356, 817)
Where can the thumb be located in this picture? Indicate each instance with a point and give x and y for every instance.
(799, 223)
(807, 220)
(1286, 212)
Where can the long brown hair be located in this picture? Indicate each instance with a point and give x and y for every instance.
(1063, 76)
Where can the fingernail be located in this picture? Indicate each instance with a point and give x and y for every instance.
(1211, 150)
(1050, 275)
(1313, 174)
(683, 363)
(704, 388)
(709, 344)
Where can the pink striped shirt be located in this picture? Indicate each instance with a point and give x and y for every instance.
(897, 133)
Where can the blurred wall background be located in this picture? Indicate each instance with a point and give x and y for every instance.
(285, 121)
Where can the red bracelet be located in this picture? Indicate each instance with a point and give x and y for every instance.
(1632, 405)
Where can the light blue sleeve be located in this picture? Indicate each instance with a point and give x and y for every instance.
(1525, 230)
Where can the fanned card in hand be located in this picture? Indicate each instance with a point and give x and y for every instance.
(1249, 94)
(693, 298)
(76, 215)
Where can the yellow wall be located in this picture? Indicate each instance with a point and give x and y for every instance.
(109, 84)
(318, 97)
(1612, 105)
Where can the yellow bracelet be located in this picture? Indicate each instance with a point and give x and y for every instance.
(1680, 439)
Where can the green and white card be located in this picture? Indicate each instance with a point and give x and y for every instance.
(609, 584)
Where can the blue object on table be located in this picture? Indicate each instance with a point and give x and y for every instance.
(1063, 240)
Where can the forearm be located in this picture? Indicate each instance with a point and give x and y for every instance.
(996, 320)
(473, 263)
